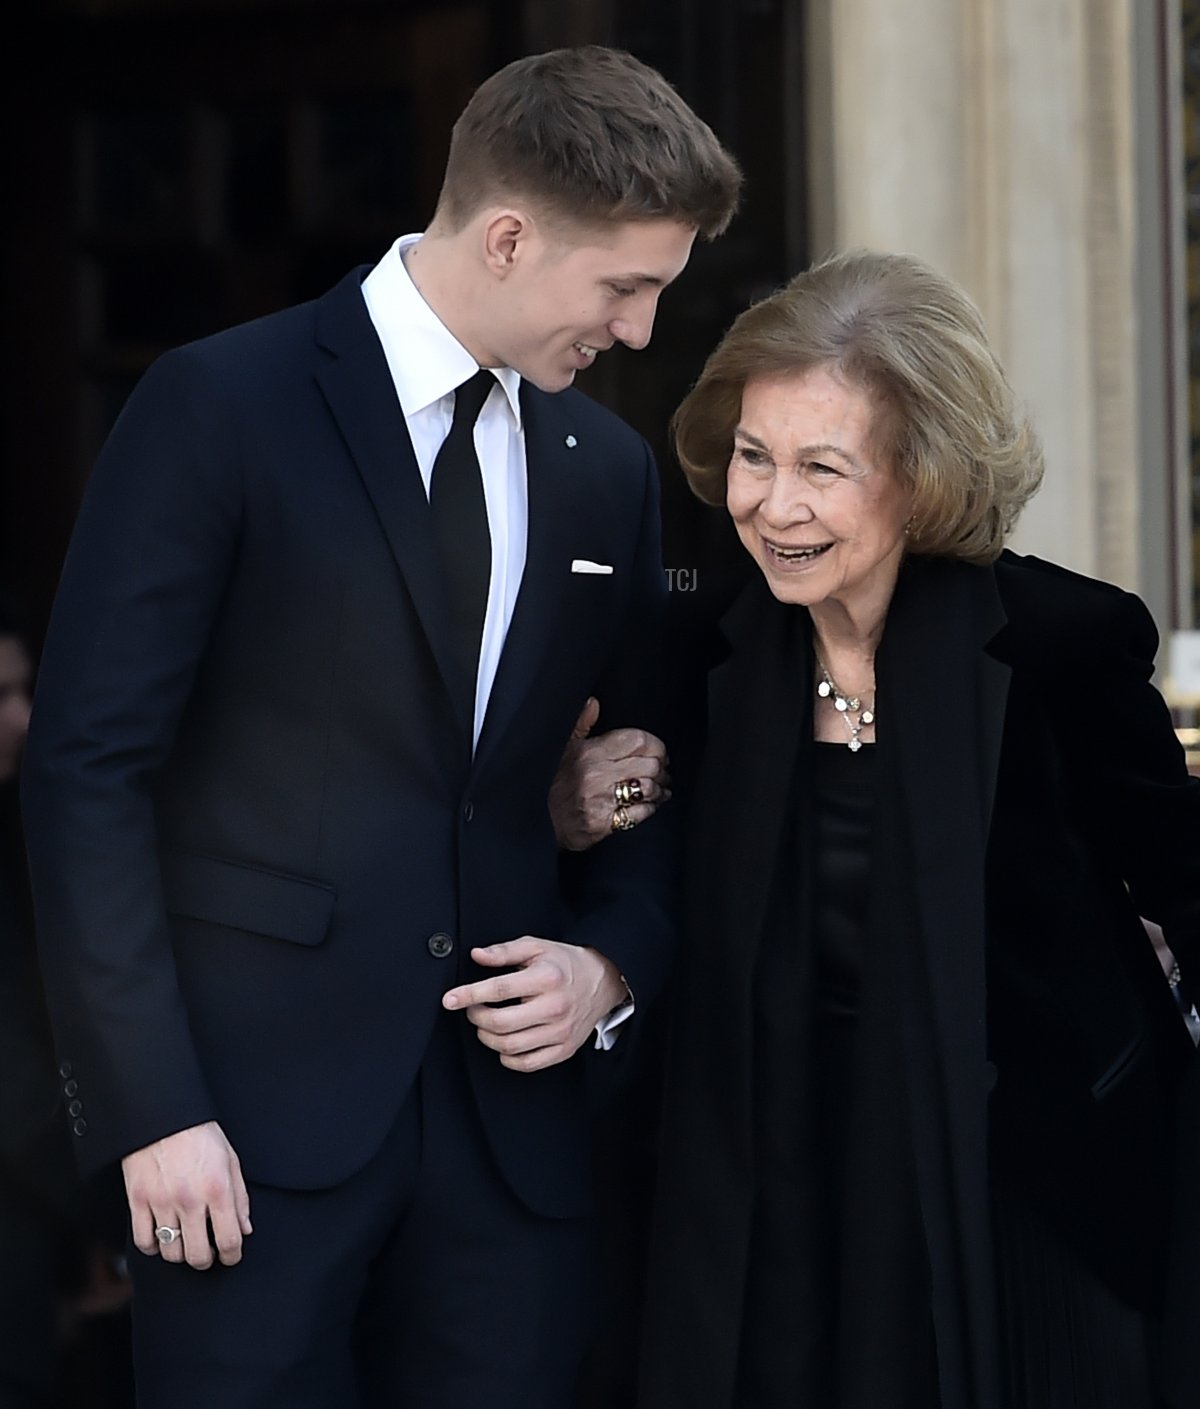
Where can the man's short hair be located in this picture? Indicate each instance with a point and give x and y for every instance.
(593, 137)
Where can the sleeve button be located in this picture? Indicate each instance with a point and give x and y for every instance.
(80, 1127)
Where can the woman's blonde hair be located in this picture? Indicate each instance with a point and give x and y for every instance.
(946, 416)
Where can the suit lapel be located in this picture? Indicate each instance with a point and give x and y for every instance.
(558, 480)
(359, 391)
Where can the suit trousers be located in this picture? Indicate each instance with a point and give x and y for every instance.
(419, 1283)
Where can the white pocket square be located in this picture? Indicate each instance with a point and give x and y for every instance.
(585, 565)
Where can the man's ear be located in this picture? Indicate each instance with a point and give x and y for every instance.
(508, 238)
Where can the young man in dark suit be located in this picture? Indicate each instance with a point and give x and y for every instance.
(341, 584)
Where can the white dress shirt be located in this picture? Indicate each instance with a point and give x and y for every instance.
(427, 363)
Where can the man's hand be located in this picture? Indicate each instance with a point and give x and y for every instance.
(561, 991)
(582, 798)
(189, 1181)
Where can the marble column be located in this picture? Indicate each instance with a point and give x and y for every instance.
(1018, 145)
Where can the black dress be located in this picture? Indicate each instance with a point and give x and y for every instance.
(837, 1310)
(837, 1307)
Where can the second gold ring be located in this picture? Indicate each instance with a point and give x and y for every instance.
(628, 791)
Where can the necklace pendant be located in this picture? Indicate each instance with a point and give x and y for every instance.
(846, 705)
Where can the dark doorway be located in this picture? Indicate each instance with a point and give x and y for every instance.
(177, 166)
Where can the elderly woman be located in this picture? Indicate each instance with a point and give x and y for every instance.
(918, 1134)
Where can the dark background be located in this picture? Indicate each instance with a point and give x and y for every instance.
(175, 166)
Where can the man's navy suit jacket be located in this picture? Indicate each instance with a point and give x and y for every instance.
(260, 846)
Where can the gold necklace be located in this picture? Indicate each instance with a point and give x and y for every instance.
(846, 705)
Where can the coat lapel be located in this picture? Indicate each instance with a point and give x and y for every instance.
(739, 830)
(942, 701)
(760, 706)
(359, 391)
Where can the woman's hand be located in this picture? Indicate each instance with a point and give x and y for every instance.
(586, 797)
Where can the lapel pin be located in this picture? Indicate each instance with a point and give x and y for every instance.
(571, 442)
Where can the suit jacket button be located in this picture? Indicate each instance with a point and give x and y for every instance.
(75, 1108)
(440, 945)
(468, 812)
(70, 1088)
(80, 1127)
(65, 1070)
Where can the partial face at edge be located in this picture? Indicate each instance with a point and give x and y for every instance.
(15, 681)
(815, 504)
(563, 303)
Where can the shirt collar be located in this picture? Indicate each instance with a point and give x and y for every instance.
(426, 360)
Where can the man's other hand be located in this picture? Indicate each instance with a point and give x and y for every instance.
(190, 1181)
(554, 995)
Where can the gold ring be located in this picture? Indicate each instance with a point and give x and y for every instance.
(622, 821)
(627, 791)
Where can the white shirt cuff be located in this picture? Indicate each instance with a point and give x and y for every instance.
(608, 1029)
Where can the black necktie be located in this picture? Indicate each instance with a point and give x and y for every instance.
(460, 530)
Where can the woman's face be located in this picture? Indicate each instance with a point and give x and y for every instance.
(816, 506)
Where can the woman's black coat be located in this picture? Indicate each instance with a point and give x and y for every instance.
(1034, 803)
